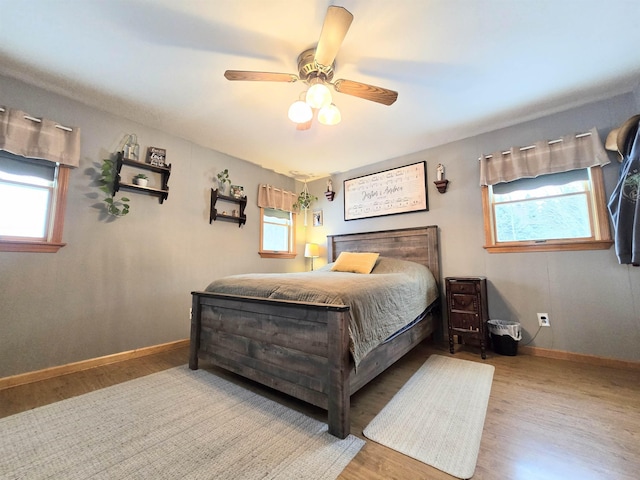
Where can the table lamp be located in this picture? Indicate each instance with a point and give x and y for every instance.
(311, 250)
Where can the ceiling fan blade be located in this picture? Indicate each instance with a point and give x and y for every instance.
(335, 28)
(368, 92)
(260, 76)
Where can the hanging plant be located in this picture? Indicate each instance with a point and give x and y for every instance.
(305, 199)
(116, 208)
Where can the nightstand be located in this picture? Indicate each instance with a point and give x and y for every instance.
(467, 310)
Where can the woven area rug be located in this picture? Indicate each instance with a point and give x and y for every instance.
(438, 415)
(176, 424)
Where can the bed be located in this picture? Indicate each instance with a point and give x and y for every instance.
(303, 348)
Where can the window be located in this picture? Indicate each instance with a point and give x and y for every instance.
(277, 233)
(32, 203)
(558, 211)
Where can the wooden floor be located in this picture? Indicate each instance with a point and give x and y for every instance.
(547, 419)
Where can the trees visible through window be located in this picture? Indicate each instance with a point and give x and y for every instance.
(560, 211)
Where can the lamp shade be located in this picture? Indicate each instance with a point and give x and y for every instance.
(318, 96)
(300, 112)
(329, 115)
(311, 250)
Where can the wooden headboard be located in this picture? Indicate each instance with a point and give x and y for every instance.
(418, 245)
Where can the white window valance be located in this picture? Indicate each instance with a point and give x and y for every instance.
(272, 197)
(27, 136)
(571, 152)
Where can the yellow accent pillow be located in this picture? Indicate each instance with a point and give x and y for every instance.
(355, 262)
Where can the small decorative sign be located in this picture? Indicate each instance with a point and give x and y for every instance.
(399, 190)
(156, 156)
(237, 191)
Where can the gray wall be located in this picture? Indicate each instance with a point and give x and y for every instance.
(593, 302)
(124, 284)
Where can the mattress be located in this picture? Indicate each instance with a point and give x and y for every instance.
(394, 294)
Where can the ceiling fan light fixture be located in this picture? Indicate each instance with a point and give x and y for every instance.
(318, 96)
(329, 115)
(300, 112)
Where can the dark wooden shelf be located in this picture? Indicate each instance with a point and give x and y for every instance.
(146, 166)
(164, 171)
(241, 219)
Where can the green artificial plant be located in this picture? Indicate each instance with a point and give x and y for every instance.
(117, 208)
(223, 177)
(304, 200)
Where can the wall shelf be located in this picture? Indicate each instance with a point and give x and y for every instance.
(240, 219)
(162, 193)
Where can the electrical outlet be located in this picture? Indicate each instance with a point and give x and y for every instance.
(543, 320)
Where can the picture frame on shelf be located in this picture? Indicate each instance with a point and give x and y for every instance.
(317, 218)
(237, 191)
(156, 156)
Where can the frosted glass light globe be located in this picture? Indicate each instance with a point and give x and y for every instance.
(329, 115)
(300, 112)
(318, 96)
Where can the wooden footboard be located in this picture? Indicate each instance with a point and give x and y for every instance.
(298, 348)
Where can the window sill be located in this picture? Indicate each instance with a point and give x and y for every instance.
(34, 247)
(277, 254)
(550, 246)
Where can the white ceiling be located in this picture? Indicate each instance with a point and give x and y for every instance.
(461, 67)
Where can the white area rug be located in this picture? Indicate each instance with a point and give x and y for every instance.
(438, 415)
(176, 424)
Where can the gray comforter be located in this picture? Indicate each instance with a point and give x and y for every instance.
(393, 295)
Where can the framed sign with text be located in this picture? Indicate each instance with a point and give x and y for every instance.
(398, 190)
(156, 156)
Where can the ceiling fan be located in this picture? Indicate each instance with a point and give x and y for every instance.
(316, 69)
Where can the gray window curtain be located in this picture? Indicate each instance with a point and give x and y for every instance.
(22, 135)
(571, 152)
(272, 197)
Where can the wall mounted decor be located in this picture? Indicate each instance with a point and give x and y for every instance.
(441, 182)
(223, 180)
(131, 149)
(157, 156)
(399, 190)
(164, 172)
(236, 215)
(305, 199)
(237, 191)
(317, 218)
(329, 193)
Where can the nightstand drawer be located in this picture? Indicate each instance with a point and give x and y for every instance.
(464, 321)
(464, 303)
(463, 287)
